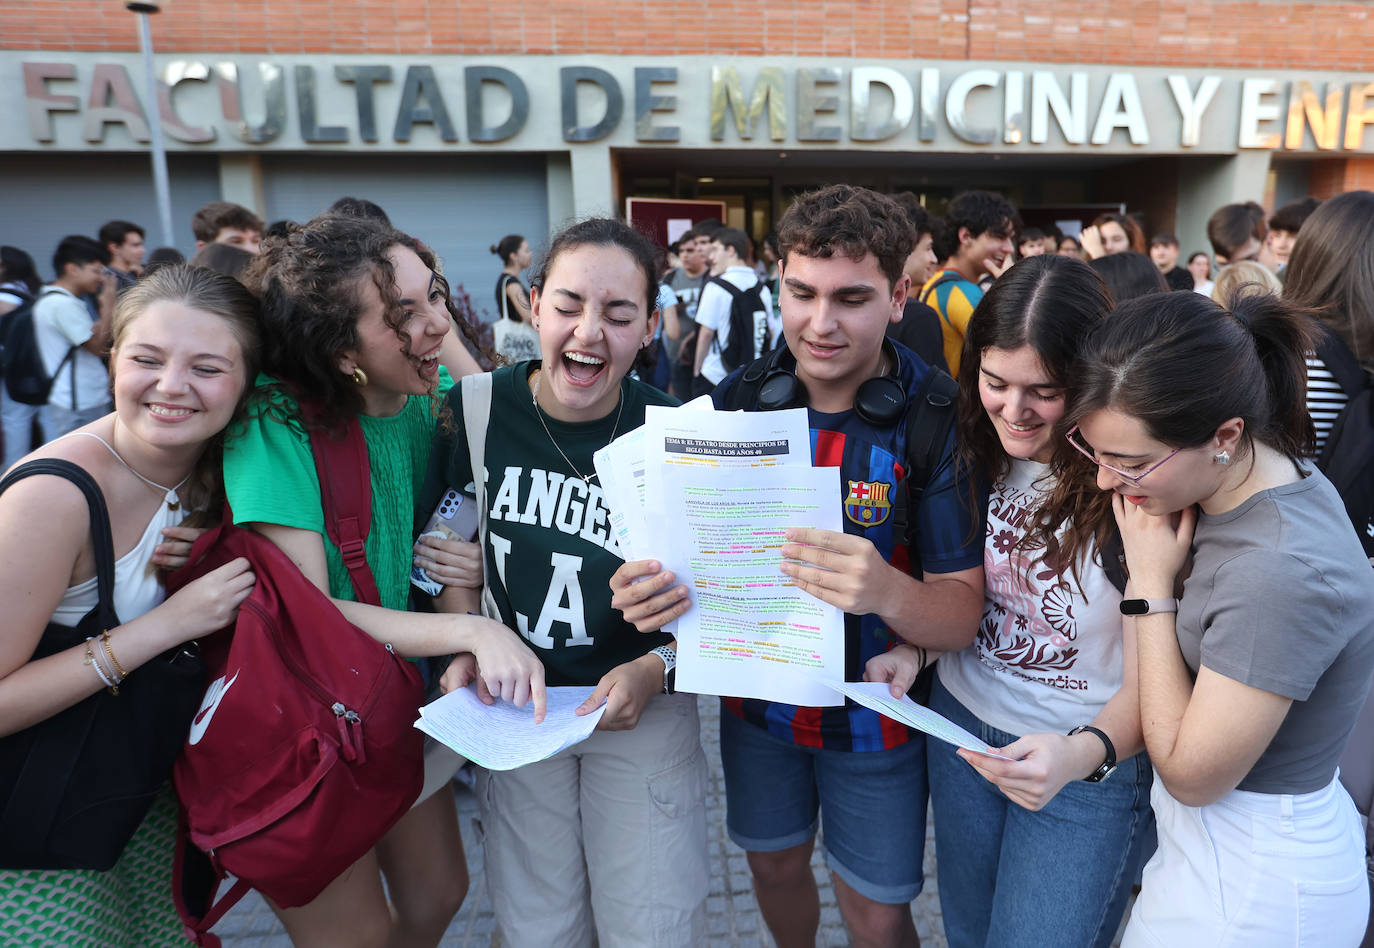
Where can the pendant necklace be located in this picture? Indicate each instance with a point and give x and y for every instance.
(169, 493)
(539, 412)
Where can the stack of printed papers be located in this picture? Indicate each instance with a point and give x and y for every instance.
(710, 495)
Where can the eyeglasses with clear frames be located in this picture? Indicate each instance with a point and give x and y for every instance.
(1075, 438)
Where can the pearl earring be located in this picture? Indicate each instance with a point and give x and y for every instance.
(1222, 457)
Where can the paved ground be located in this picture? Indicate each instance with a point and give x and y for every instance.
(732, 915)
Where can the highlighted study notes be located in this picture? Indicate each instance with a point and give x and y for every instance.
(502, 736)
(878, 696)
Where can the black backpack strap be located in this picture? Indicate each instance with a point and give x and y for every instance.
(1341, 362)
(101, 540)
(67, 731)
(929, 420)
(1113, 554)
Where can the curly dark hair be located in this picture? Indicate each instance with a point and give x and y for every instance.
(981, 212)
(308, 282)
(1050, 303)
(849, 221)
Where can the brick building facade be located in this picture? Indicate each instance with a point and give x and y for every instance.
(1064, 107)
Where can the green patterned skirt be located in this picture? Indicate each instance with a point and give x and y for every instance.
(128, 907)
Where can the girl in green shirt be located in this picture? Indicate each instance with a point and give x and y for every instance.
(355, 317)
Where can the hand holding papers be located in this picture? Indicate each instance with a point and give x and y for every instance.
(503, 736)
(730, 484)
(878, 696)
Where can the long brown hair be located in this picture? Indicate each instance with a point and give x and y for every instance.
(205, 290)
(1050, 303)
(1331, 270)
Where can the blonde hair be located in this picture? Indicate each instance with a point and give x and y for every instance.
(1246, 278)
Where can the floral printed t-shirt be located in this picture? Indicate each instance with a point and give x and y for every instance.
(1048, 652)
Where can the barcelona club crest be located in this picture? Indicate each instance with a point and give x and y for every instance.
(867, 503)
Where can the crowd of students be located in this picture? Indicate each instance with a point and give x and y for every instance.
(1124, 571)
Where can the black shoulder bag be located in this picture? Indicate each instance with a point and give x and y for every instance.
(75, 787)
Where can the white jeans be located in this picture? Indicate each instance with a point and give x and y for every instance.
(1254, 870)
(604, 840)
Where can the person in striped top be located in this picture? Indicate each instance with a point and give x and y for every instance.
(1331, 273)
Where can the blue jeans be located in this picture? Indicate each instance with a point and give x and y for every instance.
(1057, 877)
(873, 804)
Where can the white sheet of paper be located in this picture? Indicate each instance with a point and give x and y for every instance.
(720, 440)
(620, 467)
(502, 736)
(750, 632)
(878, 696)
(677, 226)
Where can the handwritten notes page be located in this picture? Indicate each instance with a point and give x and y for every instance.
(502, 736)
(878, 696)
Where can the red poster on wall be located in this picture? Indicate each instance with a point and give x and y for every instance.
(664, 220)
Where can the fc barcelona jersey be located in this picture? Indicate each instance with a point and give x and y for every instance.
(949, 537)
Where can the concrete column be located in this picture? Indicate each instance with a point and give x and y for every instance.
(593, 192)
(1205, 184)
(240, 181)
(558, 188)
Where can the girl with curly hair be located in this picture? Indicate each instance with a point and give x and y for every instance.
(355, 317)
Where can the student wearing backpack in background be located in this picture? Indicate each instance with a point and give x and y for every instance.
(1331, 273)
(735, 318)
(843, 249)
(19, 284)
(73, 346)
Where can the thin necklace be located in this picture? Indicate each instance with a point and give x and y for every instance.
(169, 493)
(539, 412)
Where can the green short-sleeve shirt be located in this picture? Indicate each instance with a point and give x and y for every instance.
(269, 477)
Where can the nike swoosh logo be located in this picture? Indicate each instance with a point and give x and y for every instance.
(213, 696)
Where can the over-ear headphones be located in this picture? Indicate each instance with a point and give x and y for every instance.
(879, 401)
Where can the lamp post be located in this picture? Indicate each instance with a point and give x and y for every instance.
(161, 185)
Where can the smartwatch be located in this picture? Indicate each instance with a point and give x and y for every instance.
(1108, 762)
(1145, 607)
(669, 657)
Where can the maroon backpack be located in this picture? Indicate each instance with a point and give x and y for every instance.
(303, 753)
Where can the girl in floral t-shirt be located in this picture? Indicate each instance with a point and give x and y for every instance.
(1049, 652)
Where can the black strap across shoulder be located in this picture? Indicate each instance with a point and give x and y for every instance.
(36, 787)
(101, 539)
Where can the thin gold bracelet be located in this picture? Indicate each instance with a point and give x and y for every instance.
(119, 671)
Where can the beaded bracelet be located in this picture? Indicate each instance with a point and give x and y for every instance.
(93, 660)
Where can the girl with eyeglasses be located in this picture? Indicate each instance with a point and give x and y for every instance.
(1049, 678)
(1251, 680)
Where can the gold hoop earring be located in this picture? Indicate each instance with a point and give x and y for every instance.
(360, 378)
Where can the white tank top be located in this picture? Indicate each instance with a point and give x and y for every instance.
(136, 586)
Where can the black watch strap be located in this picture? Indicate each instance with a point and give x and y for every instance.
(1108, 762)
